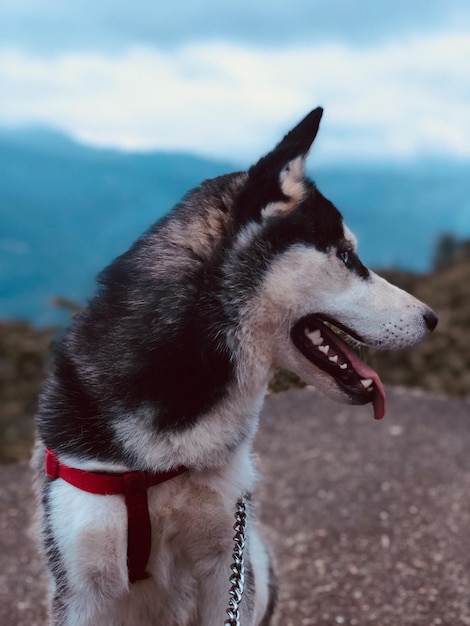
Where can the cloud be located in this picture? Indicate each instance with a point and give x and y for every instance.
(394, 100)
(52, 26)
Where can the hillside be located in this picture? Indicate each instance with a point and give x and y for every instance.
(440, 364)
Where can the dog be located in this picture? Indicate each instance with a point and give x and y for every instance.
(164, 373)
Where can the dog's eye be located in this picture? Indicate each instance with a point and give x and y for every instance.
(352, 262)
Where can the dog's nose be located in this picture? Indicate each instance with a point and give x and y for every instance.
(431, 319)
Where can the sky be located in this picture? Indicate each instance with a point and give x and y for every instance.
(226, 80)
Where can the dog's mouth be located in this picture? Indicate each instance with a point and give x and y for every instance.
(322, 346)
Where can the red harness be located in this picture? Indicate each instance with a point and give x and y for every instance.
(133, 486)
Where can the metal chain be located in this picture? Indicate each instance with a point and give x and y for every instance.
(237, 577)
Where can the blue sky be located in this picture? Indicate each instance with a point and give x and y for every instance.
(226, 79)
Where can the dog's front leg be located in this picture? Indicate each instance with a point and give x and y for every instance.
(214, 589)
(87, 599)
(214, 596)
(87, 545)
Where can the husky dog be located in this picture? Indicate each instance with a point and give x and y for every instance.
(165, 371)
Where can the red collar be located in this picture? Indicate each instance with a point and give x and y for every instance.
(133, 486)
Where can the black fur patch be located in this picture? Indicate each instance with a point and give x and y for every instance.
(121, 358)
(151, 343)
(54, 557)
(316, 222)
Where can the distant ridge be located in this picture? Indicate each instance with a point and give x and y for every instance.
(67, 209)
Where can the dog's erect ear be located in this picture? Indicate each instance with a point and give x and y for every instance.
(296, 143)
(276, 184)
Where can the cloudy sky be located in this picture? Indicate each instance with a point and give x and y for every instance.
(225, 79)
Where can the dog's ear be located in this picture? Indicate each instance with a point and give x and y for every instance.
(276, 184)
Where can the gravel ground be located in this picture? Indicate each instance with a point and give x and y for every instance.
(369, 521)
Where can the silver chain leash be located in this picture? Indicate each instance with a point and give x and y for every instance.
(237, 577)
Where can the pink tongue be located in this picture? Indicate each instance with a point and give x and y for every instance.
(364, 371)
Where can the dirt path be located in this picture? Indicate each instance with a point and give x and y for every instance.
(369, 521)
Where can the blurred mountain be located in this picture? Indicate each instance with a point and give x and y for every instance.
(66, 210)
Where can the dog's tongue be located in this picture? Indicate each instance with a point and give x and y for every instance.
(378, 397)
(364, 371)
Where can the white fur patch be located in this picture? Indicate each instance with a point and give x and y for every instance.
(304, 280)
(350, 236)
(192, 519)
(292, 183)
(246, 235)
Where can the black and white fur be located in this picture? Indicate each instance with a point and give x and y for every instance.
(169, 364)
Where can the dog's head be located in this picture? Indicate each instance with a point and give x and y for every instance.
(315, 289)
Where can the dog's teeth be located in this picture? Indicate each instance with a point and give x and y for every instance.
(315, 337)
(325, 349)
(334, 359)
(366, 382)
(343, 366)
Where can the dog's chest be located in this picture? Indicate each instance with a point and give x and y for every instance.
(191, 521)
